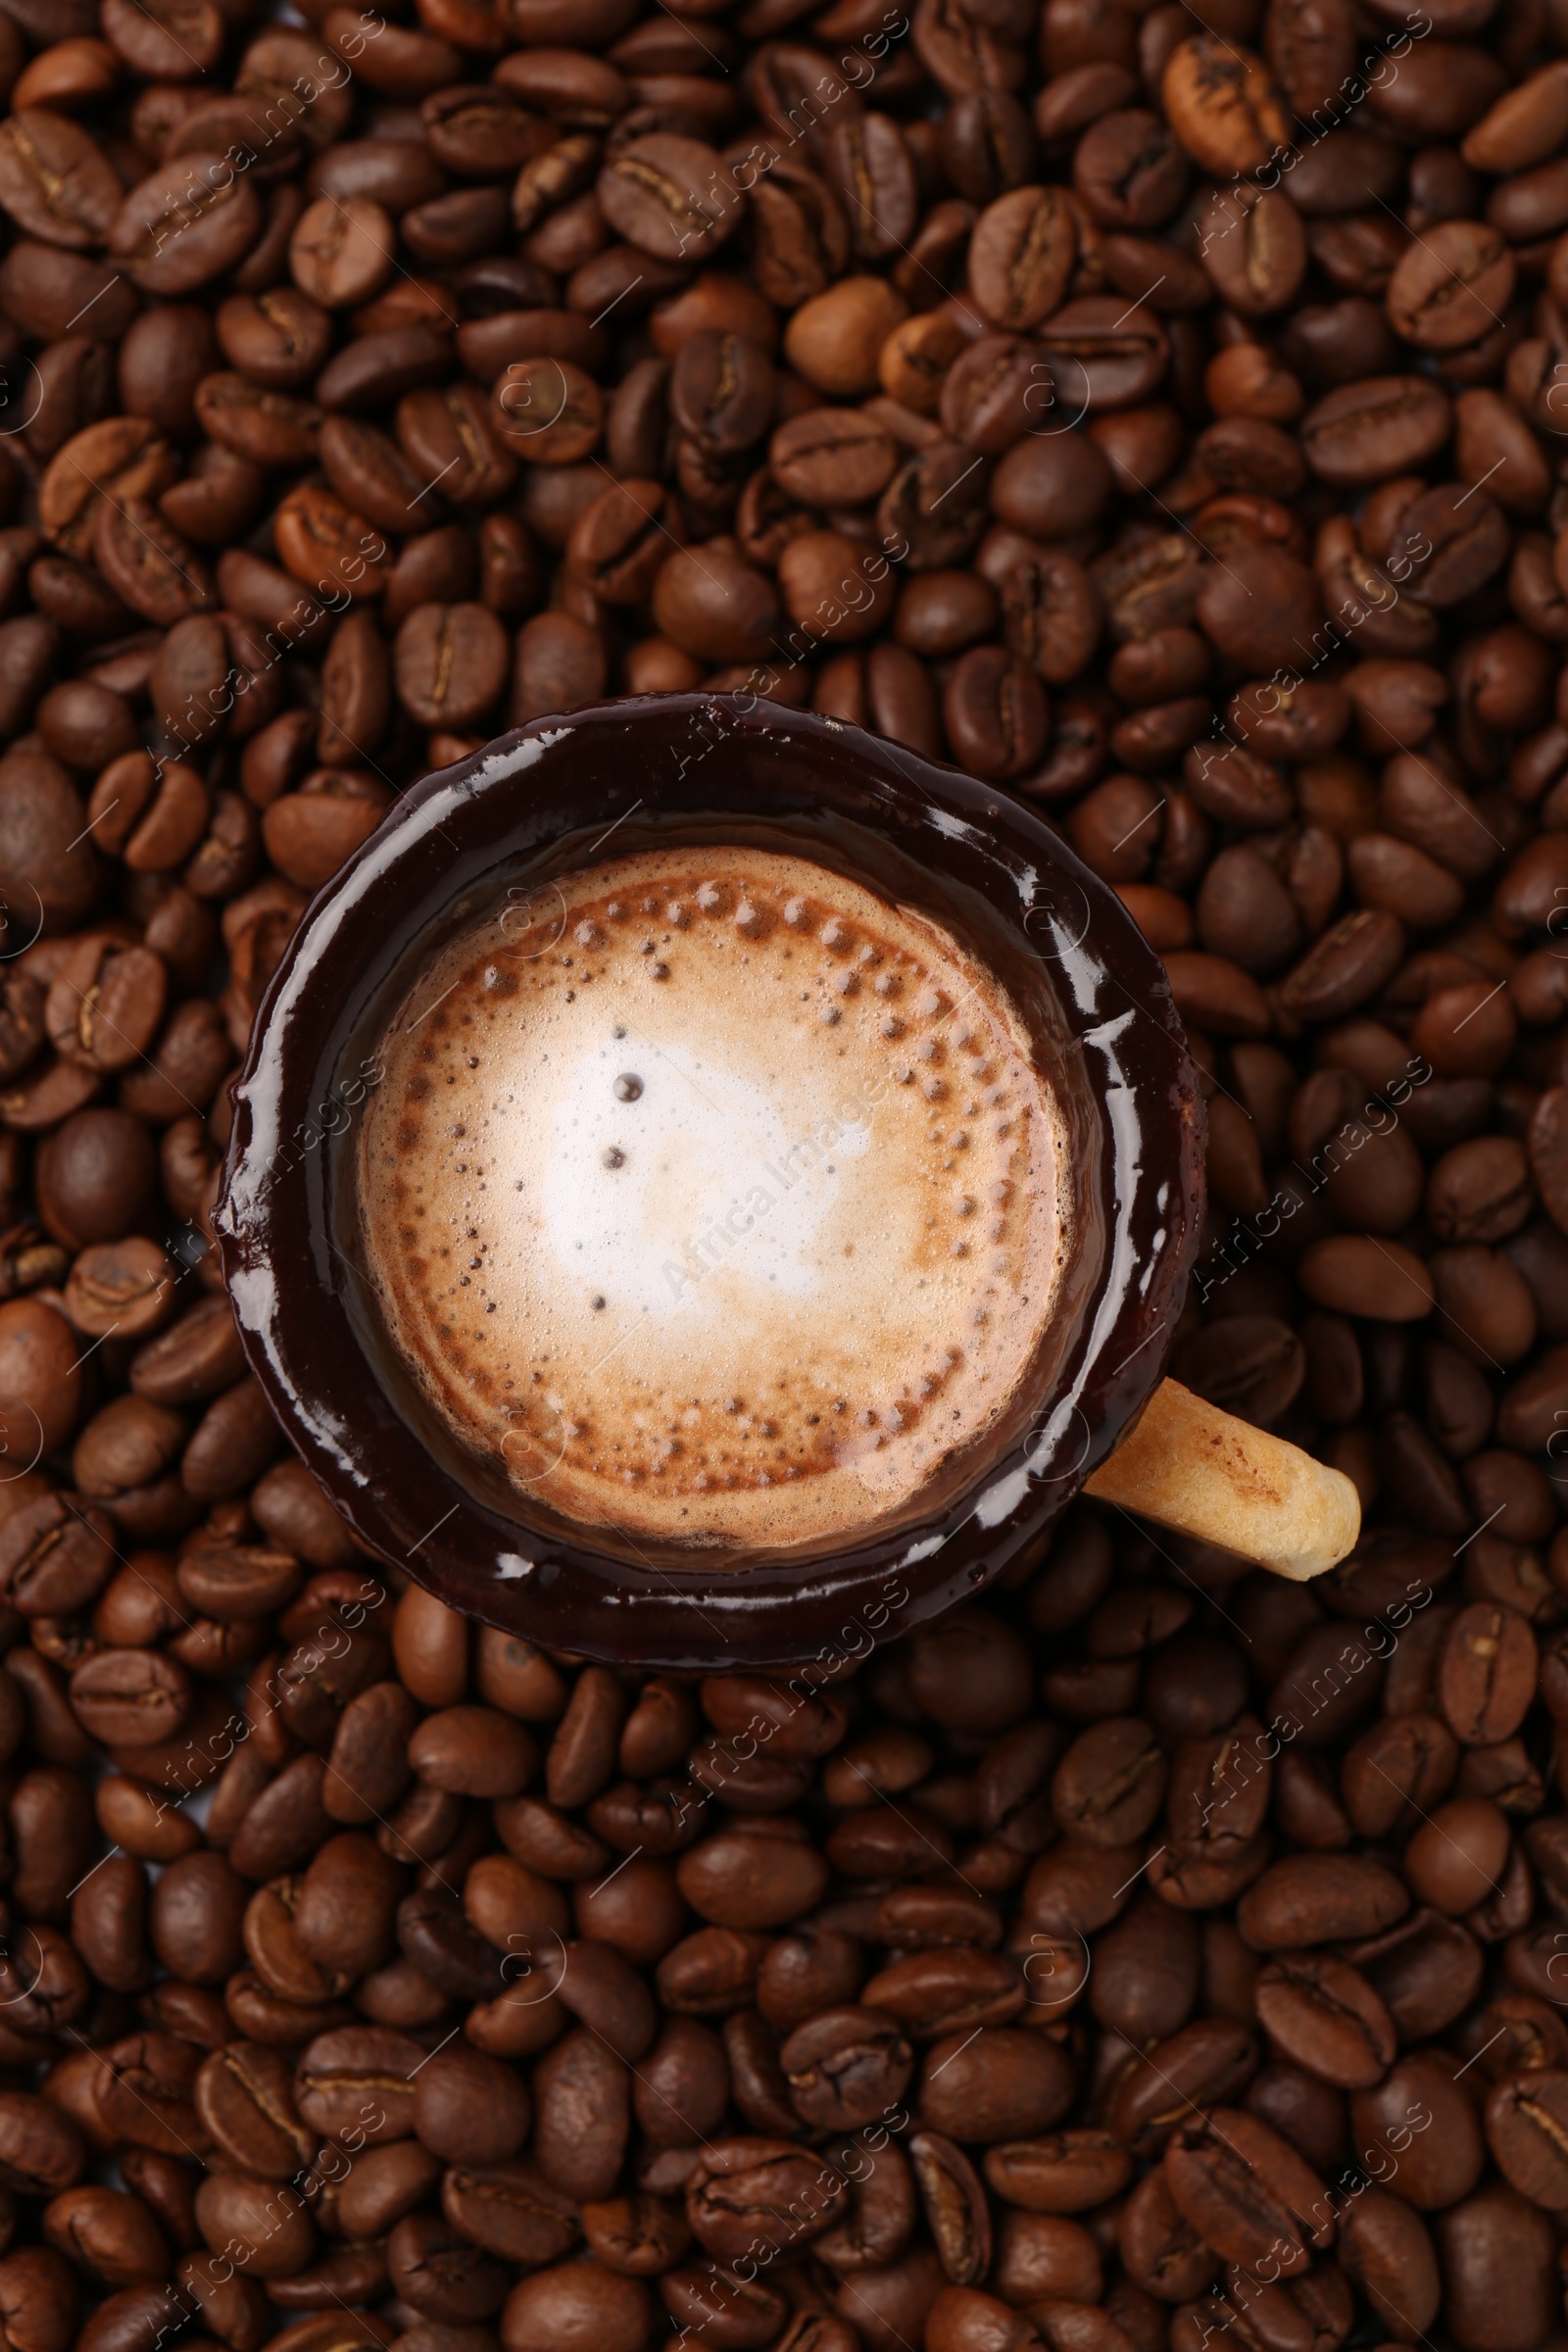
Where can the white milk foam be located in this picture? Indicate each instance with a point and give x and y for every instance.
(715, 1199)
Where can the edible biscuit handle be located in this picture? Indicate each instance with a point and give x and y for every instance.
(1191, 1467)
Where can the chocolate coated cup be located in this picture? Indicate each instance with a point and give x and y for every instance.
(670, 770)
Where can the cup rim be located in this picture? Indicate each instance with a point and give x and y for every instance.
(533, 787)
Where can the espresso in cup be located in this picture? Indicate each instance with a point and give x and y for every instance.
(712, 1197)
(710, 1185)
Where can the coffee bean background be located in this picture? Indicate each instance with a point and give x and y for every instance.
(1163, 413)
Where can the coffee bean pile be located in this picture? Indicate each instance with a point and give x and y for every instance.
(1162, 413)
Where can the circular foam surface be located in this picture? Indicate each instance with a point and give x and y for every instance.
(715, 1198)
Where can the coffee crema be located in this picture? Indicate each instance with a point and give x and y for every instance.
(716, 1200)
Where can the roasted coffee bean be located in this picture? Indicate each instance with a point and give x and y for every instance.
(469, 2109)
(1008, 2084)
(1208, 2060)
(1371, 430)
(1495, 2252)
(1110, 1784)
(1323, 2014)
(131, 1699)
(746, 2192)
(956, 2210)
(931, 1993)
(506, 2209)
(807, 1970)
(883, 2207)
(1147, 1975)
(845, 2066)
(1256, 1370)
(244, 2097)
(1447, 2161)
(1022, 257)
(41, 2299)
(54, 1559)
(582, 2114)
(682, 2085)
(638, 2236)
(1067, 2173)
(1525, 2131)
(757, 2078)
(747, 1882)
(1241, 2184)
(114, 2237)
(1385, 2248)
(1315, 1898)
(358, 2079)
(41, 2149)
(1487, 1672)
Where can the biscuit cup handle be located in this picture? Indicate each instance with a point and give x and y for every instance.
(1191, 1467)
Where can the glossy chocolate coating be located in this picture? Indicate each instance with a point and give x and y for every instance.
(703, 768)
